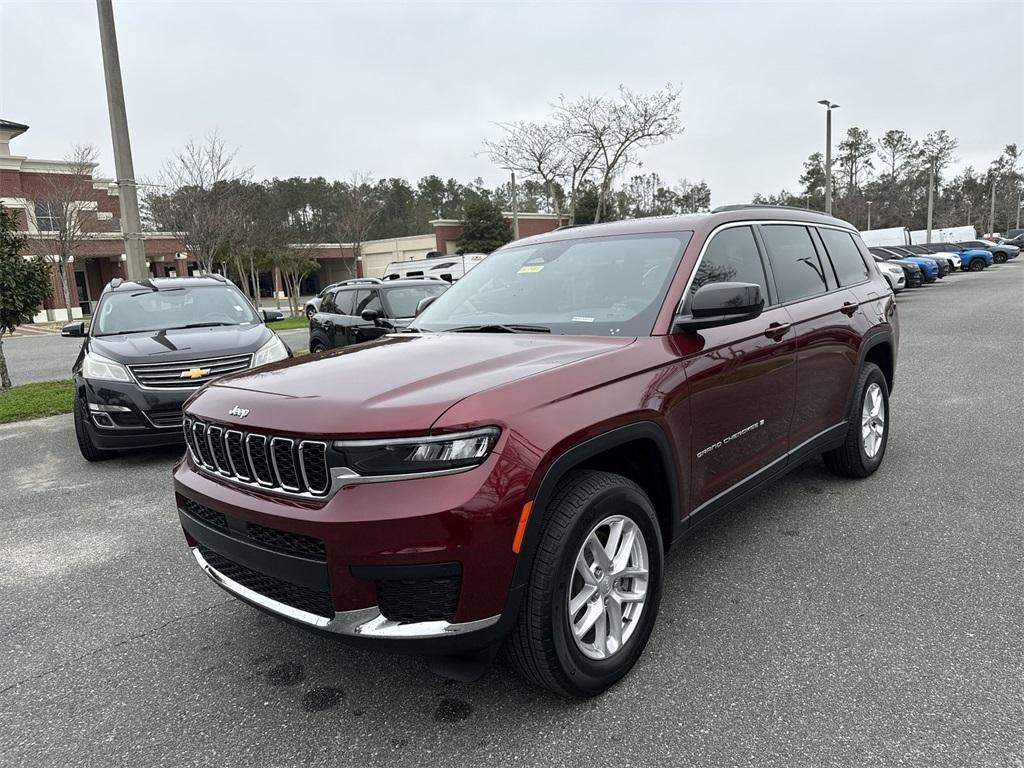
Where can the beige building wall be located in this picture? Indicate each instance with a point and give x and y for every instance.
(377, 254)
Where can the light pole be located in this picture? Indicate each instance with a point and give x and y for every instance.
(992, 210)
(128, 193)
(829, 106)
(869, 215)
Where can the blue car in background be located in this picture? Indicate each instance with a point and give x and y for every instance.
(971, 259)
(929, 267)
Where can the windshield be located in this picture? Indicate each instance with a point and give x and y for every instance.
(595, 286)
(403, 301)
(170, 308)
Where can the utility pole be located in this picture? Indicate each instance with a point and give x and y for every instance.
(869, 215)
(829, 106)
(992, 211)
(931, 199)
(128, 193)
(1018, 207)
(968, 213)
(515, 209)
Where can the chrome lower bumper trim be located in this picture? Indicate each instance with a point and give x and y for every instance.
(364, 622)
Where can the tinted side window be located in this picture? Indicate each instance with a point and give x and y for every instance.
(798, 271)
(850, 267)
(343, 302)
(327, 302)
(731, 257)
(367, 300)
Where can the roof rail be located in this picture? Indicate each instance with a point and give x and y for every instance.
(219, 277)
(757, 206)
(115, 283)
(361, 281)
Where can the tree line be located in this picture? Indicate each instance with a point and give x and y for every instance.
(890, 176)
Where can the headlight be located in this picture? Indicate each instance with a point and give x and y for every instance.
(411, 455)
(270, 352)
(101, 369)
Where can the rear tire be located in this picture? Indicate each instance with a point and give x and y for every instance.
(309, 313)
(867, 432)
(999, 258)
(552, 645)
(316, 347)
(85, 444)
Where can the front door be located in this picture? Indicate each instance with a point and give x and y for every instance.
(743, 378)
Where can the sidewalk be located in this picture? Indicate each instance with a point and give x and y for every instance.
(38, 329)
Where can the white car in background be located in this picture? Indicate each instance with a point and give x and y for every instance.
(894, 275)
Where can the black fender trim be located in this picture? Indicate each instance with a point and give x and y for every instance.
(878, 336)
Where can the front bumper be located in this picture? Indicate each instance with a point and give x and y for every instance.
(419, 566)
(123, 416)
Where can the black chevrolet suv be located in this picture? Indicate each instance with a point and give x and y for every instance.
(150, 345)
(366, 308)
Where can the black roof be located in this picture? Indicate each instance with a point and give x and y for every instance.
(12, 125)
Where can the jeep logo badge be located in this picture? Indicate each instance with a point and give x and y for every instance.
(239, 412)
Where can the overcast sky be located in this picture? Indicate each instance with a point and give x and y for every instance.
(407, 89)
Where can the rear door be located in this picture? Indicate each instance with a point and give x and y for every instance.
(742, 383)
(341, 317)
(822, 313)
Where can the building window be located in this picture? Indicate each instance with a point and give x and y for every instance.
(48, 217)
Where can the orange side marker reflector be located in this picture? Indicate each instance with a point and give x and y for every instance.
(517, 542)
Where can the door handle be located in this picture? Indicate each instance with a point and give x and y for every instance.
(848, 308)
(776, 331)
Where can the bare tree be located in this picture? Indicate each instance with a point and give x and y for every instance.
(295, 264)
(359, 205)
(616, 128)
(536, 151)
(65, 216)
(195, 198)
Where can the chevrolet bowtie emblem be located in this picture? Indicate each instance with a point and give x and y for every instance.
(194, 373)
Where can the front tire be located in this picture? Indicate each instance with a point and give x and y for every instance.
(85, 444)
(594, 588)
(867, 432)
(999, 258)
(977, 265)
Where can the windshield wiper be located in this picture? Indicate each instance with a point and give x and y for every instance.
(196, 325)
(500, 328)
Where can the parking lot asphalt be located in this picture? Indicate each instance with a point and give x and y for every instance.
(824, 622)
(47, 358)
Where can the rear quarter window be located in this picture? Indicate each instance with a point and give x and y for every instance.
(846, 258)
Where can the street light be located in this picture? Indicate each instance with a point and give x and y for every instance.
(829, 106)
(869, 215)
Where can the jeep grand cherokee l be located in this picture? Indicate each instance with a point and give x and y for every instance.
(513, 467)
(149, 346)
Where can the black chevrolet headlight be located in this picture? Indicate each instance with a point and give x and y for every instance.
(414, 455)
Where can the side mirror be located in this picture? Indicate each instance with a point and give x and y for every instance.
(73, 329)
(718, 304)
(424, 303)
(272, 315)
(373, 316)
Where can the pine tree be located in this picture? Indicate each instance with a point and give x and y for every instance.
(484, 228)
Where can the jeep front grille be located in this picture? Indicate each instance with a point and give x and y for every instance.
(273, 463)
(187, 374)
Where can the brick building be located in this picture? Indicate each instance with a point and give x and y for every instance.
(27, 188)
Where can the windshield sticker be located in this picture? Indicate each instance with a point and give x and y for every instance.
(583, 319)
(529, 269)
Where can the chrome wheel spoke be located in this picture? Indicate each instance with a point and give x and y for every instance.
(625, 550)
(584, 596)
(613, 613)
(590, 618)
(584, 571)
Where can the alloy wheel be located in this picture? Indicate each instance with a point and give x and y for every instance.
(608, 588)
(872, 422)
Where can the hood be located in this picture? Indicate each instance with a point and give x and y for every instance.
(399, 384)
(182, 344)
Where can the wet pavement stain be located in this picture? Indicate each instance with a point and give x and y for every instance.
(452, 711)
(289, 673)
(319, 699)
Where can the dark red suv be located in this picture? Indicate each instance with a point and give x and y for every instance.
(512, 468)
